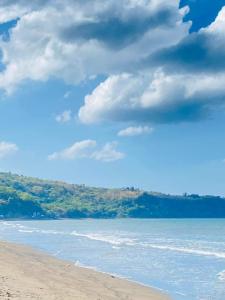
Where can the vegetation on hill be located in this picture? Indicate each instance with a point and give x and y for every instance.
(26, 197)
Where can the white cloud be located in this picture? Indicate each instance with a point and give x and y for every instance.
(218, 26)
(85, 149)
(116, 94)
(185, 85)
(78, 40)
(77, 150)
(133, 131)
(7, 149)
(108, 153)
(158, 98)
(64, 117)
(68, 40)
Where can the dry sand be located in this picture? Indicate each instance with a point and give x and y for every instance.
(28, 274)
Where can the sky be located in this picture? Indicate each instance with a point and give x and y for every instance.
(114, 93)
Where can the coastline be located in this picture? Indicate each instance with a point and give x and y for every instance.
(26, 273)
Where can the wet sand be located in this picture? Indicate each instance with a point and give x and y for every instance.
(29, 274)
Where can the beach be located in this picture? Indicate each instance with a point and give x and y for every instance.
(29, 274)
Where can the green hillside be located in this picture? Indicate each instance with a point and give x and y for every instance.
(26, 197)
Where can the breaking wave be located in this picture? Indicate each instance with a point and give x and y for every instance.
(118, 241)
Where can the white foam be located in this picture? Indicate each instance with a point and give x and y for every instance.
(187, 250)
(26, 230)
(35, 230)
(116, 241)
(221, 275)
(116, 247)
(13, 225)
(79, 264)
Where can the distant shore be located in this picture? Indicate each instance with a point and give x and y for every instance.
(36, 199)
(29, 274)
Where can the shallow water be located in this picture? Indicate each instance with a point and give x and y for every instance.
(185, 258)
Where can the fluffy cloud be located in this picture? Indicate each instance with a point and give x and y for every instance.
(64, 117)
(75, 40)
(108, 153)
(200, 52)
(7, 149)
(86, 149)
(156, 71)
(77, 150)
(201, 13)
(158, 99)
(187, 83)
(133, 131)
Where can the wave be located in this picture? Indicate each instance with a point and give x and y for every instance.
(120, 241)
(187, 250)
(116, 241)
(81, 265)
(28, 229)
(12, 225)
(221, 275)
(34, 230)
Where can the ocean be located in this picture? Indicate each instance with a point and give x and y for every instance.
(183, 257)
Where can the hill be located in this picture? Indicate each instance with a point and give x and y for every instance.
(27, 197)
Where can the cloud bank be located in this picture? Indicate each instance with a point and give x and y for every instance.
(74, 40)
(156, 70)
(184, 82)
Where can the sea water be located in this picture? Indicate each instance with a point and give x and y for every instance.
(185, 257)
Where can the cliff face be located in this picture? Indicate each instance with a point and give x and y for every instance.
(26, 197)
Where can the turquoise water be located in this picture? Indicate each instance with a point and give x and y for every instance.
(185, 258)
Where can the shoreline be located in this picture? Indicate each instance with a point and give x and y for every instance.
(26, 273)
(157, 289)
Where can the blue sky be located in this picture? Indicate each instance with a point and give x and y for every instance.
(120, 94)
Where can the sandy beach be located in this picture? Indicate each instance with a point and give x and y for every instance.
(29, 274)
